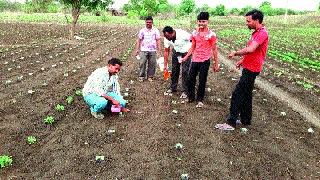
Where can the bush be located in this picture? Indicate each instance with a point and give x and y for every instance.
(52, 8)
(133, 14)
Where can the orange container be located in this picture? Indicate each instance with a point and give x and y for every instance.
(166, 75)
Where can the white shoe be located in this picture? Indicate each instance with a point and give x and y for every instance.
(183, 96)
(97, 115)
(200, 105)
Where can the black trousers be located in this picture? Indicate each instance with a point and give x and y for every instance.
(202, 69)
(176, 71)
(241, 101)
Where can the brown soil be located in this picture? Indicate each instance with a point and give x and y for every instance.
(143, 145)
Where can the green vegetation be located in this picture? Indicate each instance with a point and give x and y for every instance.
(31, 140)
(49, 120)
(5, 161)
(70, 99)
(59, 107)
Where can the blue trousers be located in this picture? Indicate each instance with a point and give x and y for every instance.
(98, 103)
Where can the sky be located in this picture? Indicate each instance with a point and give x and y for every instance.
(292, 4)
(300, 5)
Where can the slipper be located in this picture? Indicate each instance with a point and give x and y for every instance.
(224, 127)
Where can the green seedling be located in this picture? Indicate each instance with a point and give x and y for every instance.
(49, 120)
(59, 107)
(70, 99)
(79, 92)
(5, 161)
(31, 140)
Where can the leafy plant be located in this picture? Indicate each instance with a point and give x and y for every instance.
(79, 92)
(5, 161)
(70, 99)
(49, 120)
(31, 139)
(59, 107)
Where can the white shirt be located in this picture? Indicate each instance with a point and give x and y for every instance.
(100, 82)
(182, 43)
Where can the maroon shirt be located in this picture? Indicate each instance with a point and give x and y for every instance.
(254, 61)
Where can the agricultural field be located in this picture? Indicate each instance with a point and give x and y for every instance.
(48, 132)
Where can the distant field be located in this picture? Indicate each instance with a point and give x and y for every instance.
(294, 42)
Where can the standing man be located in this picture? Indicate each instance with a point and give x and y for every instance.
(203, 48)
(148, 43)
(179, 41)
(253, 58)
(102, 88)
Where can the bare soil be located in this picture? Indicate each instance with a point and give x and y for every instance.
(143, 144)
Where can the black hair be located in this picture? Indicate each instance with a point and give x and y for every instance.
(167, 29)
(114, 61)
(149, 18)
(256, 14)
(203, 16)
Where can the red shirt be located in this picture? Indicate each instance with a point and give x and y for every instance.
(204, 44)
(254, 61)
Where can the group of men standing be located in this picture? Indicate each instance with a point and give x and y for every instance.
(193, 53)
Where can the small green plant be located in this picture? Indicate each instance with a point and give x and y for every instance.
(49, 120)
(31, 140)
(70, 99)
(79, 92)
(5, 161)
(59, 107)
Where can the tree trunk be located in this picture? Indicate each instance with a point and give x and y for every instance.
(75, 15)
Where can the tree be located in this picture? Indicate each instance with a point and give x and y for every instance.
(266, 8)
(234, 11)
(220, 10)
(186, 7)
(88, 4)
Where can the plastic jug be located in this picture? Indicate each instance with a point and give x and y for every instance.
(115, 108)
(166, 75)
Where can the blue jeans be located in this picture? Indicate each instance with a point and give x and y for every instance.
(98, 103)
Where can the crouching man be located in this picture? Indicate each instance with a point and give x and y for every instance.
(102, 87)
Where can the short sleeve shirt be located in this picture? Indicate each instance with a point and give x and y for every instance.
(182, 43)
(204, 45)
(149, 39)
(254, 61)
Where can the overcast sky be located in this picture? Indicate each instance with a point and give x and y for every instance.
(292, 4)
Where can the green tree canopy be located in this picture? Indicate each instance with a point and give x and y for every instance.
(88, 4)
(186, 7)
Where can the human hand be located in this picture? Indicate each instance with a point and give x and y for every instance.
(231, 55)
(181, 60)
(216, 67)
(238, 64)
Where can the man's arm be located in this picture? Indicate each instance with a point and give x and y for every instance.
(190, 51)
(251, 48)
(109, 98)
(215, 58)
(137, 51)
(158, 46)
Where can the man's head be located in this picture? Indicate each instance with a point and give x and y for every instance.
(169, 33)
(114, 65)
(149, 22)
(254, 18)
(203, 19)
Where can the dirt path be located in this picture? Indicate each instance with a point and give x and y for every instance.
(294, 103)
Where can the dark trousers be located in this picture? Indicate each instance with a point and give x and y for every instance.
(202, 69)
(176, 71)
(241, 101)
